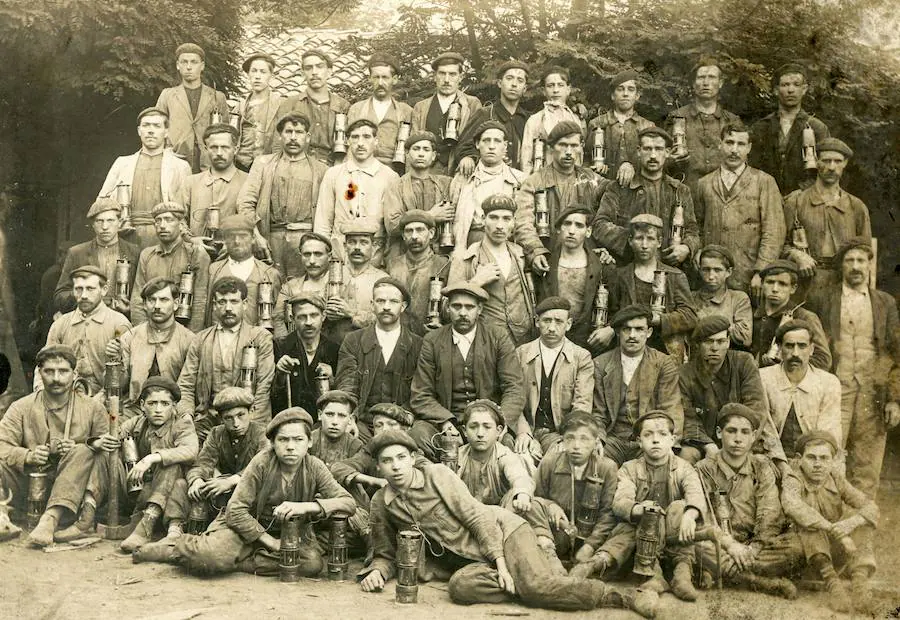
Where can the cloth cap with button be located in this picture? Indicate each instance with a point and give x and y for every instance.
(628, 313)
(855, 243)
(308, 297)
(624, 76)
(318, 54)
(386, 439)
(461, 286)
(152, 111)
(232, 397)
(651, 415)
(337, 395)
(779, 266)
(419, 136)
(416, 215)
(787, 69)
(236, 223)
(258, 56)
(161, 383)
(489, 125)
(317, 236)
(383, 60)
(573, 209)
(448, 58)
(563, 129)
(498, 202)
(190, 48)
(358, 226)
(392, 411)
(656, 132)
(293, 414)
(552, 303)
(816, 435)
(175, 208)
(512, 64)
(397, 284)
(710, 325)
(836, 145)
(648, 219)
(718, 249)
(738, 409)
(88, 270)
(102, 205)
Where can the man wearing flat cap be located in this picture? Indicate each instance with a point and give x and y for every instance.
(418, 264)
(431, 114)
(491, 175)
(512, 81)
(556, 86)
(258, 111)
(828, 215)
(103, 250)
(864, 335)
(739, 207)
(779, 283)
(169, 258)
(559, 374)
(303, 354)
(239, 262)
(654, 192)
(714, 376)
(418, 189)
(620, 127)
(382, 108)
(190, 106)
(778, 137)
(282, 189)
(563, 182)
(463, 361)
(88, 328)
(497, 265)
(35, 436)
(152, 175)
(630, 380)
(317, 103)
(716, 264)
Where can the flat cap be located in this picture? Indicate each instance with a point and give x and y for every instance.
(257, 56)
(552, 303)
(710, 325)
(512, 64)
(655, 414)
(461, 286)
(385, 439)
(161, 383)
(855, 243)
(740, 409)
(624, 76)
(231, 397)
(656, 132)
(836, 145)
(788, 68)
(628, 313)
(489, 125)
(816, 435)
(51, 351)
(419, 136)
(721, 250)
(647, 218)
(397, 284)
(447, 58)
(562, 130)
(790, 326)
(337, 396)
(190, 48)
(88, 270)
(235, 223)
(319, 54)
(571, 210)
(384, 60)
(152, 111)
(416, 215)
(359, 226)
(498, 202)
(315, 236)
(392, 411)
(176, 208)
(102, 205)
(293, 414)
(779, 266)
(156, 284)
(309, 297)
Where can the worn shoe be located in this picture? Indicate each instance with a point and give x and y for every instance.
(162, 551)
(82, 528)
(838, 597)
(861, 593)
(141, 535)
(176, 531)
(774, 586)
(682, 587)
(638, 600)
(42, 534)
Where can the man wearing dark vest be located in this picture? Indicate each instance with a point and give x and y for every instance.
(377, 363)
(461, 362)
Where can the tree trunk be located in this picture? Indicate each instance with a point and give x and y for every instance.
(474, 53)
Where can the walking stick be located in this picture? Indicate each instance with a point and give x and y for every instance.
(287, 380)
(716, 541)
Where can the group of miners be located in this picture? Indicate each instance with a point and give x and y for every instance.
(516, 339)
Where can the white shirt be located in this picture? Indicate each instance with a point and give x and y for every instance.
(629, 366)
(463, 341)
(729, 178)
(387, 340)
(445, 100)
(548, 356)
(381, 108)
(241, 269)
(227, 338)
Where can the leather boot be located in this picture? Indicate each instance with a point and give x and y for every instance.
(638, 600)
(682, 587)
(142, 534)
(82, 528)
(861, 593)
(162, 551)
(42, 534)
(838, 597)
(774, 586)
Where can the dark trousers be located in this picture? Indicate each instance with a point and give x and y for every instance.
(166, 487)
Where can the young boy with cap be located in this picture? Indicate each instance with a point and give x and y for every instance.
(489, 554)
(281, 482)
(332, 441)
(715, 297)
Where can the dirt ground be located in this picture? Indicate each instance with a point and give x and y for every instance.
(99, 582)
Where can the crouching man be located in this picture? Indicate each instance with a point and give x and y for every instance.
(491, 554)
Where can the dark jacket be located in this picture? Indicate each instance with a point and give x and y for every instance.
(493, 111)
(218, 454)
(548, 286)
(303, 385)
(86, 254)
(788, 169)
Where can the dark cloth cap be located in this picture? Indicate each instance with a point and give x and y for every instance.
(447, 58)
(650, 415)
(790, 326)
(88, 270)
(397, 284)
(386, 439)
(317, 236)
(489, 125)
(257, 56)
(647, 218)
(709, 326)
(856, 243)
(168, 207)
(394, 412)
(103, 204)
(382, 60)
(816, 435)
(739, 409)
(416, 215)
(318, 53)
(156, 284)
(656, 132)
(309, 297)
(512, 64)
(779, 266)
(562, 130)
(418, 136)
(154, 111)
(294, 414)
(634, 311)
(190, 48)
(787, 68)
(359, 226)
(232, 397)
(161, 383)
(571, 209)
(624, 76)
(833, 144)
(56, 350)
(337, 395)
(719, 249)
(552, 303)
(498, 202)
(236, 223)
(461, 286)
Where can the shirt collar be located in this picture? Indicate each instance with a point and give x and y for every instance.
(846, 291)
(159, 336)
(694, 111)
(226, 176)
(240, 263)
(158, 248)
(231, 330)
(745, 470)
(97, 316)
(457, 337)
(631, 360)
(372, 167)
(418, 482)
(735, 173)
(715, 298)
